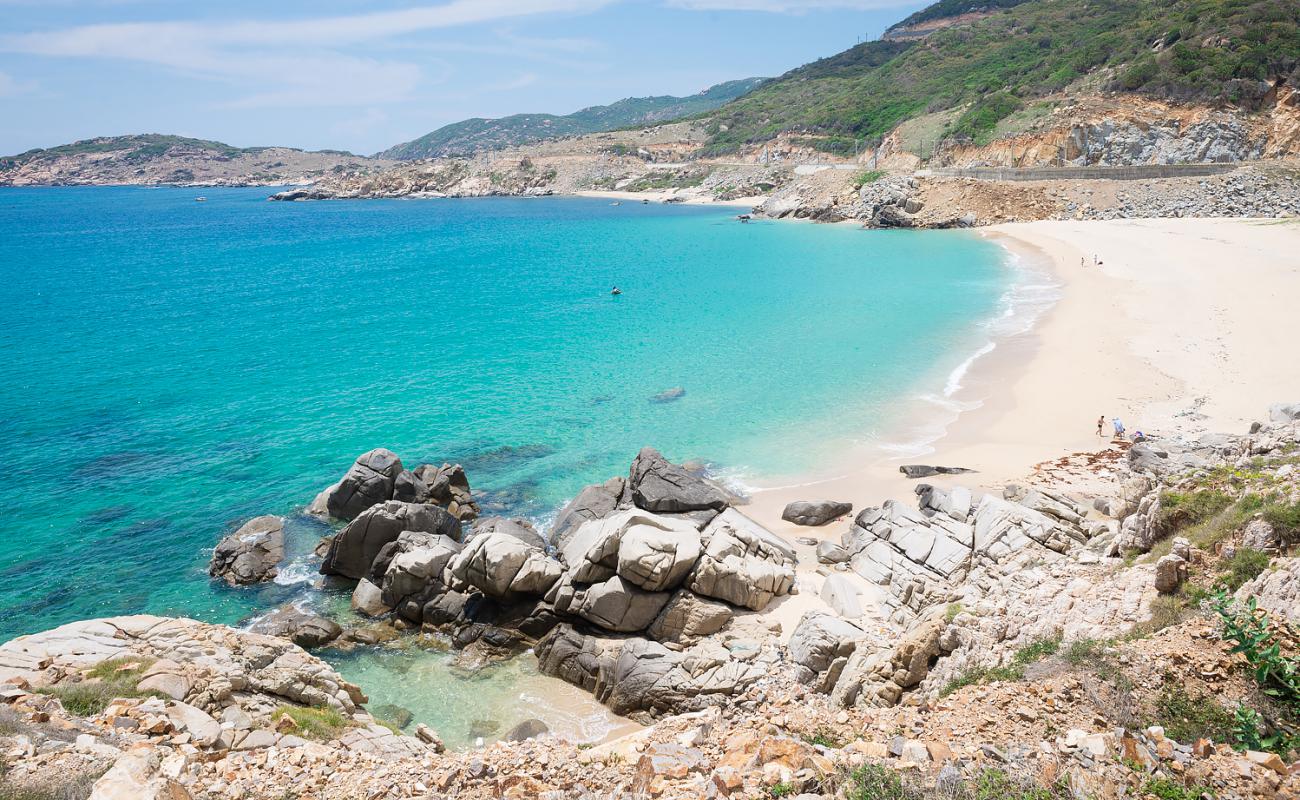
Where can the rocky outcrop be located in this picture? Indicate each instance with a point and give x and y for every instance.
(503, 566)
(638, 675)
(815, 512)
(354, 549)
(742, 563)
(594, 502)
(368, 482)
(221, 667)
(251, 554)
(687, 617)
(655, 484)
(378, 476)
(1277, 589)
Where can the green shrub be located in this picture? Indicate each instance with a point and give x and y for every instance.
(1245, 565)
(1276, 674)
(782, 790)
(869, 176)
(318, 723)
(825, 737)
(1285, 519)
(1037, 650)
(980, 675)
(874, 782)
(1165, 789)
(1180, 510)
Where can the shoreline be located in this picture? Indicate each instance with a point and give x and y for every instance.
(1036, 395)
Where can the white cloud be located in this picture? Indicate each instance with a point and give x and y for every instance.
(10, 86)
(292, 62)
(787, 6)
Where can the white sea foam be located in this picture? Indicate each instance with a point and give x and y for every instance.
(1032, 292)
(295, 572)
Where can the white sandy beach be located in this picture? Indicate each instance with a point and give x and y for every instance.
(1186, 325)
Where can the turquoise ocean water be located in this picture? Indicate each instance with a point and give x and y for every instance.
(172, 368)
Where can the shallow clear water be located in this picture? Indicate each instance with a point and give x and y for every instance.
(172, 368)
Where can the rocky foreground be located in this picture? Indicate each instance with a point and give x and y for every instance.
(1025, 643)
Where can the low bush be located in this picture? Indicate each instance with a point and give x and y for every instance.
(870, 176)
(317, 723)
(1245, 565)
(1179, 510)
(108, 680)
(1285, 519)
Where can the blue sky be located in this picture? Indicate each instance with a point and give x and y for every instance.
(362, 76)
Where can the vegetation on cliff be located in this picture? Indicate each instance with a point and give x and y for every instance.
(1207, 51)
(473, 135)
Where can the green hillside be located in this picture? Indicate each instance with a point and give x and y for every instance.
(472, 135)
(1209, 51)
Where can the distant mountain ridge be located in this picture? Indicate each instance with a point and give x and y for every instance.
(155, 158)
(478, 134)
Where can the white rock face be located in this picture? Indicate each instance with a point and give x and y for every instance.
(1276, 590)
(136, 776)
(742, 563)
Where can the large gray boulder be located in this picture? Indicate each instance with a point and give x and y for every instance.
(409, 488)
(742, 563)
(594, 502)
(251, 554)
(815, 512)
(368, 482)
(519, 528)
(632, 675)
(615, 604)
(657, 554)
(653, 551)
(687, 617)
(353, 551)
(304, 628)
(819, 641)
(503, 566)
(413, 566)
(448, 486)
(655, 484)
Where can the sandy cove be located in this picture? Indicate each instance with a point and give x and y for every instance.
(1186, 325)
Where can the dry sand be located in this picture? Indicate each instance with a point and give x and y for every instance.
(1186, 325)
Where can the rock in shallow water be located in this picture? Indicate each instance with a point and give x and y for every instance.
(251, 554)
(354, 549)
(369, 481)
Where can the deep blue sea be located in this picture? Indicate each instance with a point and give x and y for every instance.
(171, 368)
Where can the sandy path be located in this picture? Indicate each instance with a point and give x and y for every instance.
(1187, 325)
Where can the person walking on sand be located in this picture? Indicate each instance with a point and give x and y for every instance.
(1101, 424)
(1119, 428)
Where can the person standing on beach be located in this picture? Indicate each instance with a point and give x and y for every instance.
(1101, 424)
(1119, 428)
